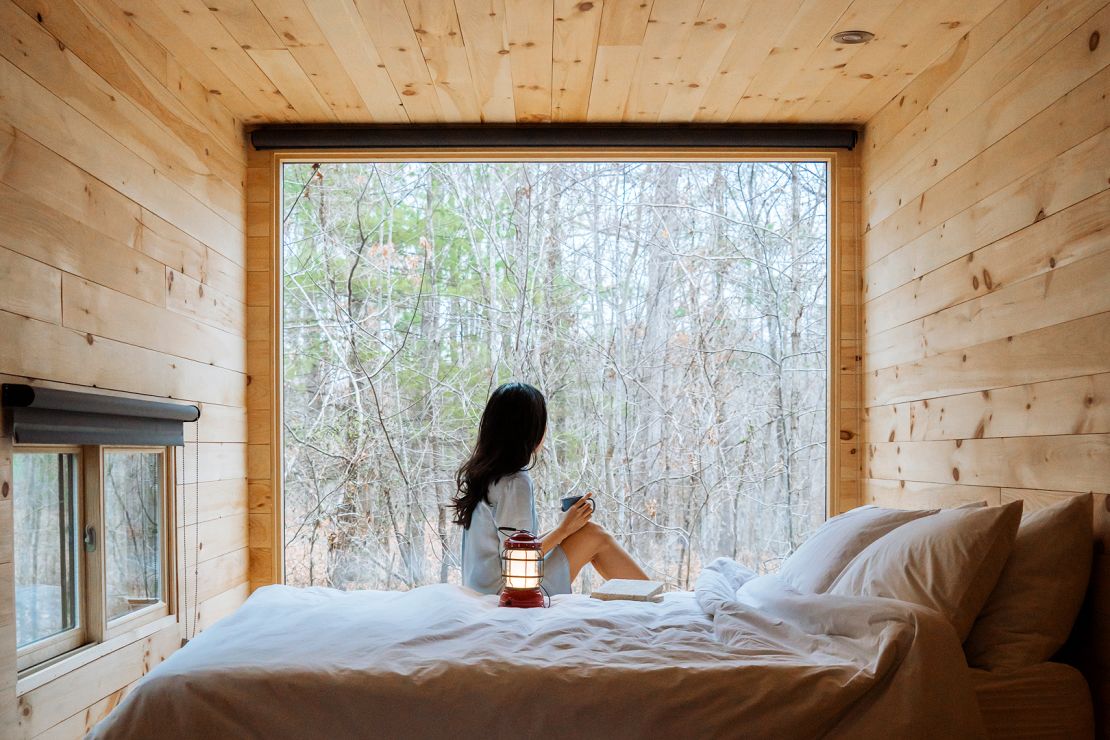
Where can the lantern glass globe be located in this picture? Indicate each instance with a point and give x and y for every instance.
(523, 569)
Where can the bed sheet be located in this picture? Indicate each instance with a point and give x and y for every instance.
(740, 657)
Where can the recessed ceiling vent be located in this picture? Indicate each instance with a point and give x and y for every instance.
(853, 37)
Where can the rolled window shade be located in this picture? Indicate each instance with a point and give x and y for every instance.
(550, 136)
(49, 416)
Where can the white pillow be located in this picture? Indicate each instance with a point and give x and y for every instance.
(1030, 613)
(949, 562)
(821, 558)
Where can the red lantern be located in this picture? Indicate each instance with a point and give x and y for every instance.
(522, 570)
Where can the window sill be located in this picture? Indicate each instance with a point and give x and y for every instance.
(128, 623)
(33, 678)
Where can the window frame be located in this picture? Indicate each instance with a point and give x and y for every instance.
(118, 625)
(48, 649)
(842, 380)
(94, 627)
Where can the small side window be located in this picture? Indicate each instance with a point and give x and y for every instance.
(133, 532)
(48, 558)
(92, 546)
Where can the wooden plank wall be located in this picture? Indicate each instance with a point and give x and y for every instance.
(986, 273)
(986, 252)
(123, 261)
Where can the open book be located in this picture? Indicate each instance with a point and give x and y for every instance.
(630, 590)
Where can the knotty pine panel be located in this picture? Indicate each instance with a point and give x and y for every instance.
(986, 333)
(117, 171)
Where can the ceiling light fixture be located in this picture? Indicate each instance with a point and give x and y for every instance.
(853, 37)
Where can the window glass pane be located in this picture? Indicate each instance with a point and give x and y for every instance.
(46, 570)
(673, 313)
(133, 522)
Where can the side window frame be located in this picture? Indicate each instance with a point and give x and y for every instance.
(94, 627)
(118, 625)
(52, 648)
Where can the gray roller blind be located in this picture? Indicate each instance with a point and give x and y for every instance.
(49, 416)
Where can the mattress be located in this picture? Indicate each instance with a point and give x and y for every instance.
(1047, 700)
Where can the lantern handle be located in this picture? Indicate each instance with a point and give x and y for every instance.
(513, 530)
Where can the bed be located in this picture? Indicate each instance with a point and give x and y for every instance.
(1045, 700)
(320, 663)
(742, 655)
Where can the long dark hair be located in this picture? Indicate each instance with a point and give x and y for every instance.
(511, 429)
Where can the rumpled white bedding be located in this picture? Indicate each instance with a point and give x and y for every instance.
(741, 657)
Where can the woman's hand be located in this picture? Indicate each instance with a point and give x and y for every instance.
(577, 516)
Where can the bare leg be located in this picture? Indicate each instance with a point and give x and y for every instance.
(592, 544)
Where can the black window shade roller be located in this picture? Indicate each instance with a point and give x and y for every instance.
(550, 136)
(49, 416)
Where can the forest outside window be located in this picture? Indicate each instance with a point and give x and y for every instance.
(91, 545)
(675, 314)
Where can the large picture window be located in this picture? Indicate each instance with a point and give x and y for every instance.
(675, 314)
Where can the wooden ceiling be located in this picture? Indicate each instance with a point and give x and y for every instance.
(397, 61)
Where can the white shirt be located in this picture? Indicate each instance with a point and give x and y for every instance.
(512, 503)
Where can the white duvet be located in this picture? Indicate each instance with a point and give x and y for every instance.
(741, 657)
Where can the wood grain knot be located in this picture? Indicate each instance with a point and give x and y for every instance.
(956, 473)
(5, 490)
(1092, 43)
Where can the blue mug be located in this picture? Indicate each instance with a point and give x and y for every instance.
(570, 501)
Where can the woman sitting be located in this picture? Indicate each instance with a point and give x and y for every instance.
(495, 490)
